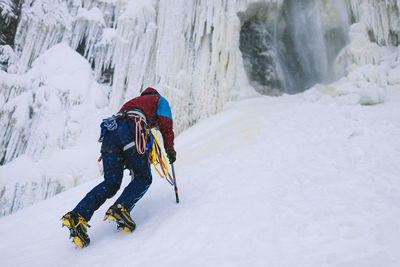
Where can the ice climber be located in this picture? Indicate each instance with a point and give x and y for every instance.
(123, 146)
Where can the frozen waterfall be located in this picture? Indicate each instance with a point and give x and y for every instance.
(288, 48)
(199, 54)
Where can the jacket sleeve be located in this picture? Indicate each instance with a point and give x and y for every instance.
(165, 123)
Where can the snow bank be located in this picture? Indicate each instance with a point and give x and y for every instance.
(44, 112)
(44, 104)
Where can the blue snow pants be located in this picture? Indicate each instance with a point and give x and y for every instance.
(114, 160)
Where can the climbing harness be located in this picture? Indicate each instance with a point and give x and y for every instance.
(132, 113)
(145, 139)
(138, 117)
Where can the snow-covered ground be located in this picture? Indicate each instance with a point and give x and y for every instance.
(304, 180)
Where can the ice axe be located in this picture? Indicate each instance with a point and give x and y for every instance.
(175, 187)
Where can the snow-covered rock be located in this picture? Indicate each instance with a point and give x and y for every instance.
(43, 113)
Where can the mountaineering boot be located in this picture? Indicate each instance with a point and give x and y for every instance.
(121, 216)
(77, 226)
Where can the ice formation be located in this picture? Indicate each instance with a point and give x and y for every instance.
(290, 47)
(199, 54)
(8, 23)
(381, 18)
(6, 9)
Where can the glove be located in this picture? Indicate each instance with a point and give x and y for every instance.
(171, 154)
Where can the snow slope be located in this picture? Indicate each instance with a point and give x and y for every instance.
(303, 180)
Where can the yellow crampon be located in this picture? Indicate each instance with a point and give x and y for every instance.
(157, 158)
(66, 222)
(78, 229)
(78, 241)
(117, 218)
(115, 213)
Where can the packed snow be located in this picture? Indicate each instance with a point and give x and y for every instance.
(270, 181)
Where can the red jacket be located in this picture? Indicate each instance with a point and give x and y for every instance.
(157, 111)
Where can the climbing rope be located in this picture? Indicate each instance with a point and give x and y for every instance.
(157, 158)
(140, 140)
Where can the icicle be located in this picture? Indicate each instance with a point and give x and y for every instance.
(381, 18)
(87, 28)
(7, 10)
